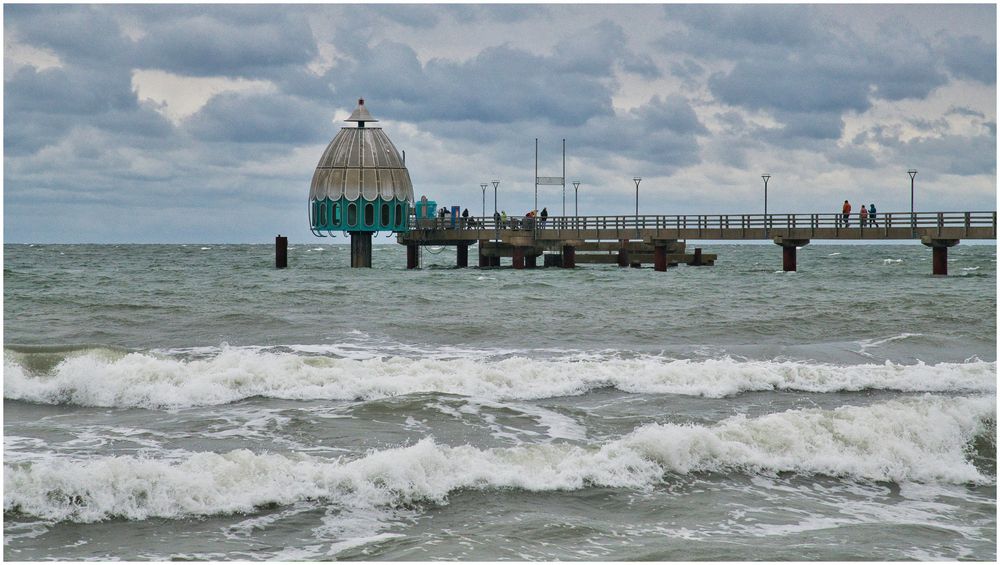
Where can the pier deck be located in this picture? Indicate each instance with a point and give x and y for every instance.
(660, 239)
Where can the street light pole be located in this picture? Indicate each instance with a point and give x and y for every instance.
(576, 201)
(483, 186)
(913, 218)
(766, 177)
(637, 181)
(495, 184)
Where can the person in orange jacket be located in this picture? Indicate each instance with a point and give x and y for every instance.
(863, 215)
(847, 213)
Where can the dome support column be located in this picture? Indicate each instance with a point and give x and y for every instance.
(361, 249)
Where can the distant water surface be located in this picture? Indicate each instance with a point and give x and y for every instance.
(221, 409)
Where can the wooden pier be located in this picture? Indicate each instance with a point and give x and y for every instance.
(662, 240)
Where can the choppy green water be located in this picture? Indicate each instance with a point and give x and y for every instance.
(226, 410)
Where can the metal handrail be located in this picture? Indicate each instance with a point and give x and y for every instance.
(702, 222)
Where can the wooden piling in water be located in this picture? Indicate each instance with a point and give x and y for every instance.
(280, 252)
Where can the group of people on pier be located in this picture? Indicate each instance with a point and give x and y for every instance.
(866, 216)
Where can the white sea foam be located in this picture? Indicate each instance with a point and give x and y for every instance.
(918, 439)
(153, 381)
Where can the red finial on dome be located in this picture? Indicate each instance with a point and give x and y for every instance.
(360, 114)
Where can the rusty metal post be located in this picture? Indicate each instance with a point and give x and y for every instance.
(697, 257)
(280, 252)
(518, 257)
(412, 256)
(568, 257)
(788, 257)
(463, 255)
(940, 260)
(623, 253)
(660, 258)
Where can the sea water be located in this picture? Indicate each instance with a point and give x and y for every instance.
(192, 402)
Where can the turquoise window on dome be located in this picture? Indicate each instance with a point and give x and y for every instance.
(344, 215)
(352, 215)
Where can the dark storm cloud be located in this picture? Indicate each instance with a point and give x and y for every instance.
(971, 58)
(804, 70)
(258, 118)
(210, 44)
(76, 34)
(500, 84)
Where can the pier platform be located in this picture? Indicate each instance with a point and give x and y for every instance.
(662, 240)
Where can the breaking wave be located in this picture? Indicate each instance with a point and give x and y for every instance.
(925, 439)
(122, 379)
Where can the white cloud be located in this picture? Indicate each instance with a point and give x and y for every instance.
(178, 97)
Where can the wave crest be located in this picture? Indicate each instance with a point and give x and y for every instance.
(925, 439)
(96, 378)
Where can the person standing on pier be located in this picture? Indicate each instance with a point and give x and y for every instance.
(465, 217)
(871, 215)
(545, 215)
(847, 214)
(863, 215)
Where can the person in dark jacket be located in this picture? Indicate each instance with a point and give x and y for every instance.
(871, 215)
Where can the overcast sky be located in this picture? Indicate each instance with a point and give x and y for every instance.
(192, 123)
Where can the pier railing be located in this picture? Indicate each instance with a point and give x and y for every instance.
(768, 222)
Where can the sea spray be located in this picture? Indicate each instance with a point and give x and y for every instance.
(158, 381)
(924, 439)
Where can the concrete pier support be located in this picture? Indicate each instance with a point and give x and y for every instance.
(463, 255)
(361, 249)
(495, 261)
(412, 256)
(531, 261)
(940, 250)
(518, 257)
(788, 251)
(623, 254)
(660, 258)
(697, 257)
(568, 257)
(280, 252)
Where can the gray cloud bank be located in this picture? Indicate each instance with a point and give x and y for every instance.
(833, 101)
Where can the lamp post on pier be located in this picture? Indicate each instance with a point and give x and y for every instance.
(483, 186)
(576, 201)
(766, 177)
(913, 218)
(637, 181)
(495, 184)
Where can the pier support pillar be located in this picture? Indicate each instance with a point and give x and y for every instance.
(361, 249)
(531, 261)
(940, 250)
(697, 257)
(518, 257)
(568, 257)
(495, 261)
(463, 255)
(660, 258)
(280, 252)
(623, 254)
(412, 256)
(484, 260)
(788, 251)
